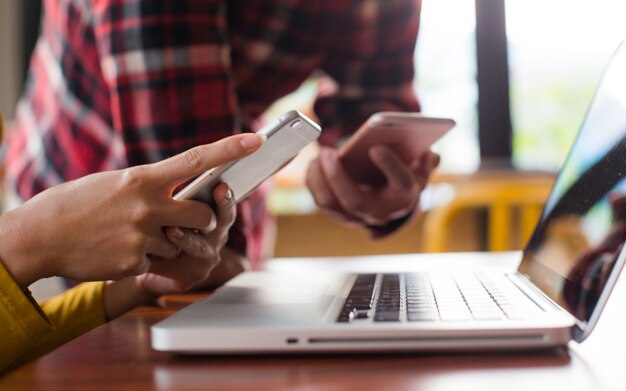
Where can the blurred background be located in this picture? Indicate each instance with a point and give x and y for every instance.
(516, 76)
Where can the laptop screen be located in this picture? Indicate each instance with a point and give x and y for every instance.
(582, 230)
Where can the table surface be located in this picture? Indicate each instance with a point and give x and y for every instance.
(118, 355)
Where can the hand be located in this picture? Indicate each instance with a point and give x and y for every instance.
(109, 225)
(336, 193)
(200, 253)
(123, 295)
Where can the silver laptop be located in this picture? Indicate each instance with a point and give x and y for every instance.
(566, 274)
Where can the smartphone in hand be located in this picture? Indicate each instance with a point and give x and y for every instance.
(408, 134)
(286, 136)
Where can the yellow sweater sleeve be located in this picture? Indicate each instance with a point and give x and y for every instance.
(28, 331)
(22, 323)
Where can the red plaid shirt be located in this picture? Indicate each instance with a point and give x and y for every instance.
(115, 83)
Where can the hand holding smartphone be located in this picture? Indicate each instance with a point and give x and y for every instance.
(286, 136)
(408, 134)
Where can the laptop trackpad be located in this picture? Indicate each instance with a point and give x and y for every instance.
(260, 298)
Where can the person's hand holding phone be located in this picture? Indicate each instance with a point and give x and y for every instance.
(202, 258)
(377, 176)
(110, 225)
(222, 188)
(337, 192)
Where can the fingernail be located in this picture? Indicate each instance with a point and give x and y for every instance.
(327, 155)
(229, 196)
(178, 233)
(328, 160)
(252, 142)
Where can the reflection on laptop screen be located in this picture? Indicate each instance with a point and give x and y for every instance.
(583, 226)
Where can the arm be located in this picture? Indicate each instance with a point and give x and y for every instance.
(67, 316)
(372, 69)
(105, 226)
(371, 64)
(109, 225)
(22, 323)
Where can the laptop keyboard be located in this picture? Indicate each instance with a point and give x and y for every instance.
(418, 297)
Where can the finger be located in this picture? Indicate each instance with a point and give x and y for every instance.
(188, 214)
(426, 163)
(169, 277)
(158, 284)
(226, 209)
(195, 161)
(346, 191)
(435, 159)
(320, 190)
(161, 248)
(139, 268)
(431, 161)
(194, 244)
(425, 167)
(398, 174)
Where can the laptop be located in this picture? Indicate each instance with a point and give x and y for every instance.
(563, 281)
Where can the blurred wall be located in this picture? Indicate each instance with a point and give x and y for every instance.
(10, 55)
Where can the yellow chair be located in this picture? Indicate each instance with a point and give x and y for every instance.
(513, 203)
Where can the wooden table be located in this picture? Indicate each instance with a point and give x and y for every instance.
(117, 356)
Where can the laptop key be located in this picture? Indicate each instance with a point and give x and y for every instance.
(389, 300)
(345, 316)
(487, 315)
(387, 316)
(421, 316)
(361, 304)
(361, 315)
(359, 300)
(454, 315)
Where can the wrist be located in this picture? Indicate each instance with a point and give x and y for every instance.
(124, 295)
(379, 231)
(22, 263)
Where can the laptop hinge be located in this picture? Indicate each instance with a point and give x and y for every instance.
(533, 293)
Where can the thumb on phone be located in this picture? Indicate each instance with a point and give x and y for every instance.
(197, 160)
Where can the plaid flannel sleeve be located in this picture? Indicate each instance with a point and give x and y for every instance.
(373, 67)
(168, 68)
(372, 64)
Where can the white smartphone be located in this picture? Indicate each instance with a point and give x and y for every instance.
(408, 134)
(286, 136)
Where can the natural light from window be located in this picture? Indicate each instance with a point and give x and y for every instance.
(445, 60)
(557, 51)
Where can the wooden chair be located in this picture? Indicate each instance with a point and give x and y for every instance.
(512, 202)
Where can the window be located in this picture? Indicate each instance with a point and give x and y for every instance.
(445, 60)
(557, 51)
